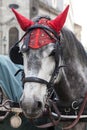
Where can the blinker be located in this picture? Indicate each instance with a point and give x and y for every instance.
(25, 47)
(15, 55)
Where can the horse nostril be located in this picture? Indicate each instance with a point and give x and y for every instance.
(39, 104)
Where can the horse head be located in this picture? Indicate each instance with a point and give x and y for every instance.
(42, 60)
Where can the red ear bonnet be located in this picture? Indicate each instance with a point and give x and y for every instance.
(39, 37)
(59, 21)
(56, 23)
(23, 21)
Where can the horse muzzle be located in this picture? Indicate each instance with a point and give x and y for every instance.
(31, 109)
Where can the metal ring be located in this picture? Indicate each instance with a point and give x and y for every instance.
(73, 105)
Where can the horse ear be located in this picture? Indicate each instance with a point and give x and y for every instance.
(23, 21)
(59, 21)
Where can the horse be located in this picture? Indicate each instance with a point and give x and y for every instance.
(55, 68)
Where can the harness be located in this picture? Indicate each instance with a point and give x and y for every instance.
(55, 103)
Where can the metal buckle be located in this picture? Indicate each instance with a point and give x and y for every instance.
(74, 105)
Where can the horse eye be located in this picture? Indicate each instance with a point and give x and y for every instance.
(52, 53)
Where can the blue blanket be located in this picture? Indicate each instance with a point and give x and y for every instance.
(12, 87)
(11, 84)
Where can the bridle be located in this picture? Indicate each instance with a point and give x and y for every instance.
(25, 48)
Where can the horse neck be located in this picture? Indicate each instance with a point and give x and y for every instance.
(73, 83)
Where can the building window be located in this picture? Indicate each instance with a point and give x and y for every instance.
(34, 6)
(13, 36)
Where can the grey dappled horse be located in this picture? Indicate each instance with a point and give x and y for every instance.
(53, 59)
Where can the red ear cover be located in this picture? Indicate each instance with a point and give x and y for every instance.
(59, 21)
(23, 21)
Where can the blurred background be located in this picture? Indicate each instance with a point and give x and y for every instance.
(10, 31)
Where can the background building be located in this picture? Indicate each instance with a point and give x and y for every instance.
(10, 31)
(77, 31)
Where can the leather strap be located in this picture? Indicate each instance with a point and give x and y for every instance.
(79, 114)
(34, 79)
(53, 121)
(56, 122)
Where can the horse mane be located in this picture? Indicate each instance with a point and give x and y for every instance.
(74, 47)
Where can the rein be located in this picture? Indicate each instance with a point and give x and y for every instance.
(59, 116)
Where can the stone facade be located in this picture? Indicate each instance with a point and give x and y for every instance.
(10, 31)
(77, 30)
(8, 23)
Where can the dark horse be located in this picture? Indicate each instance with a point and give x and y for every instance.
(55, 63)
